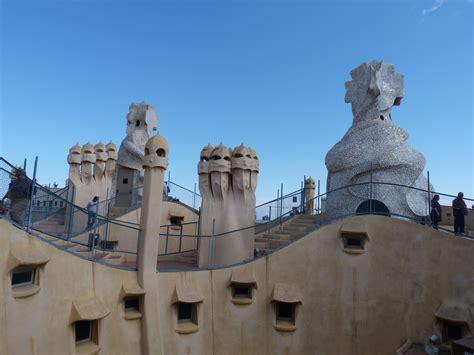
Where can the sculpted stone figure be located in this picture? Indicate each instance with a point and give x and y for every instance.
(141, 122)
(227, 182)
(374, 145)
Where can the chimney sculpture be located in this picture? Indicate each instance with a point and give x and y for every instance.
(309, 187)
(227, 182)
(374, 149)
(155, 162)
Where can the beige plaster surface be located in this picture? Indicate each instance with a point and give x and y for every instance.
(227, 182)
(368, 303)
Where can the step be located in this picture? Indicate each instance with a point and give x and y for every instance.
(278, 235)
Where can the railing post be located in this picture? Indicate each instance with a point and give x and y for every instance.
(319, 207)
(31, 193)
(211, 245)
(303, 196)
(198, 246)
(429, 195)
(180, 237)
(166, 243)
(281, 203)
(94, 233)
(24, 164)
(194, 197)
(70, 215)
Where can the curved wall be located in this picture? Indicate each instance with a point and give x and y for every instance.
(351, 303)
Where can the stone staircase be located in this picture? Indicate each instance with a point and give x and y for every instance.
(288, 232)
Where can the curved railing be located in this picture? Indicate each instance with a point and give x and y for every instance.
(320, 219)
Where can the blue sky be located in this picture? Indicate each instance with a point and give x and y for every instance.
(266, 73)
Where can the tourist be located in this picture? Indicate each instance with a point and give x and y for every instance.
(435, 211)
(92, 210)
(459, 211)
(18, 192)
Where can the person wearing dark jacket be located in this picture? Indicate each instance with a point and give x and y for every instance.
(435, 211)
(459, 211)
(18, 193)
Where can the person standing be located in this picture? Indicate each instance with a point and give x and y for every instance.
(18, 193)
(435, 211)
(459, 211)
(92, 210)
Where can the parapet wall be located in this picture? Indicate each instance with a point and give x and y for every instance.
(350, 303)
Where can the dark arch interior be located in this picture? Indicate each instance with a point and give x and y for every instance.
(376, 208)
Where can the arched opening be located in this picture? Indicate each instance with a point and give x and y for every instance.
(373, 206)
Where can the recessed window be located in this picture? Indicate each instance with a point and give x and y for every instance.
(187, 312)
(451, 331)
(131, 304)
(295, 199)
(242, 291)
(125, 181)
(23, 276)
(354, 242)
(285, 312)
(175, 220)
(86, 331)
(44, 203)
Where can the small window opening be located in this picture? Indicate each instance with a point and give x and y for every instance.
(125, 181)
(448, 214)
(452, 331)
(238, 155)
(227, 158)
(216, 157)
(137, 124)
(55, 203)
(381, 117)
(61, 204)
(161, 152)
(23, 276)
(242, 291)
(187, 312)
(44, 203)
(176, 220)
(147, 151)
(131, 304)
(285, 312)
(204, 159)
(84, 330)
(50, 203)
(295, 199)
(397, 101)
(353, 241)
(38, 203)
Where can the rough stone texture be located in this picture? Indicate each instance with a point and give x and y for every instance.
(91, 170)
(141, 122)
(227, 182)
(374, 144)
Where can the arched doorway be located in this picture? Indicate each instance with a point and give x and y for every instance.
(374, 206)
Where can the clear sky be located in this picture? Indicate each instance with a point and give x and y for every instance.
(269, 74)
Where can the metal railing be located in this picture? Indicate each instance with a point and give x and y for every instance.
(371, 190)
